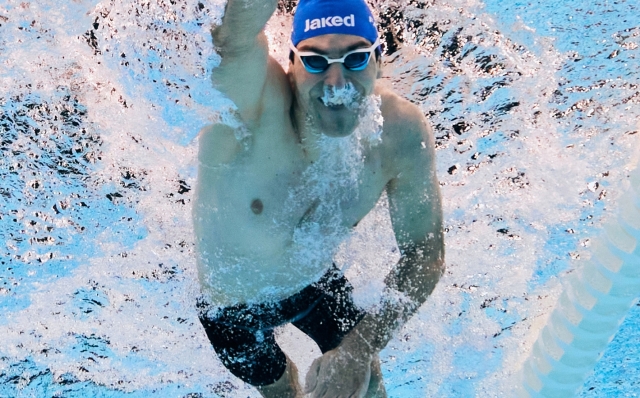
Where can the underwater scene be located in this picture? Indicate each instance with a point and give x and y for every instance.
(535, 107)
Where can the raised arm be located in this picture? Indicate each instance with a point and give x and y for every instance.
(242, 44)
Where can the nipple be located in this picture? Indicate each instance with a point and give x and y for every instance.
(257, 206)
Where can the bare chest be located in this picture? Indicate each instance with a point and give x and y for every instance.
(282, 188)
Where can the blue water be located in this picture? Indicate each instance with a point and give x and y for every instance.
(531, 102)
(589, 29)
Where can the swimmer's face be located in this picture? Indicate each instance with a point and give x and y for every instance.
(332, 98)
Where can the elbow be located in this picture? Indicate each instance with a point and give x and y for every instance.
(434, 272)
(431, 273)
(423, 283)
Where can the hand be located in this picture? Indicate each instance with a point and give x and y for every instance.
(339, 373)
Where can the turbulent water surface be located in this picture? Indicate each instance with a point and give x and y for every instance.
(535, 111)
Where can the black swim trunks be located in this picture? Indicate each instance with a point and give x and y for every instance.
(243, 338)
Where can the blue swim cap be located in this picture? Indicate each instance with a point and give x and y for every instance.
(322, 17)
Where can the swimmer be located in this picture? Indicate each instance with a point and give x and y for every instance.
(312, 153)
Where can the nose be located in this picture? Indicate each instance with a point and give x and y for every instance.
(334, 76)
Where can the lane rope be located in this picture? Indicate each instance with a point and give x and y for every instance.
(591, 308)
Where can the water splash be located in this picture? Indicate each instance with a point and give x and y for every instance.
(347, 96)
(100, 99)
(369, 129)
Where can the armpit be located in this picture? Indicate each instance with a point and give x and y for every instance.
(220, 144)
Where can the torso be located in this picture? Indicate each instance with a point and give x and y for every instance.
(259, 221)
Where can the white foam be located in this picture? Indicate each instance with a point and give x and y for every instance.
(347, 95)
(519, 185)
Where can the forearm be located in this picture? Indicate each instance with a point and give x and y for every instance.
(408, 286)
(242, 22)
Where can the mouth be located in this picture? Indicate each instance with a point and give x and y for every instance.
(340, 98)
(333, 106)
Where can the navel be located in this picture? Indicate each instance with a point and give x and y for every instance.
(257, 206)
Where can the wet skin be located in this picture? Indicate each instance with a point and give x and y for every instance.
(252, 197)
(244, 220)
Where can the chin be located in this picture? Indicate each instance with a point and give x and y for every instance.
(336, 128)
(339, 123)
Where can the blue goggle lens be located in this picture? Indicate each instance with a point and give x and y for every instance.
(318, 64)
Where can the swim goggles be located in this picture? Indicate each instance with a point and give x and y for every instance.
(355, 60)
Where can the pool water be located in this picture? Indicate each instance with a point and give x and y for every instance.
(535, 111)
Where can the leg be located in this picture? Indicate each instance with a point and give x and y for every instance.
(376, 384)
(334, 316)
(286, 386)
(252, 356)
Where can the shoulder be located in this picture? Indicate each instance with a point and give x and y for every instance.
(406, 128)
(221, 144)
(398, 109)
